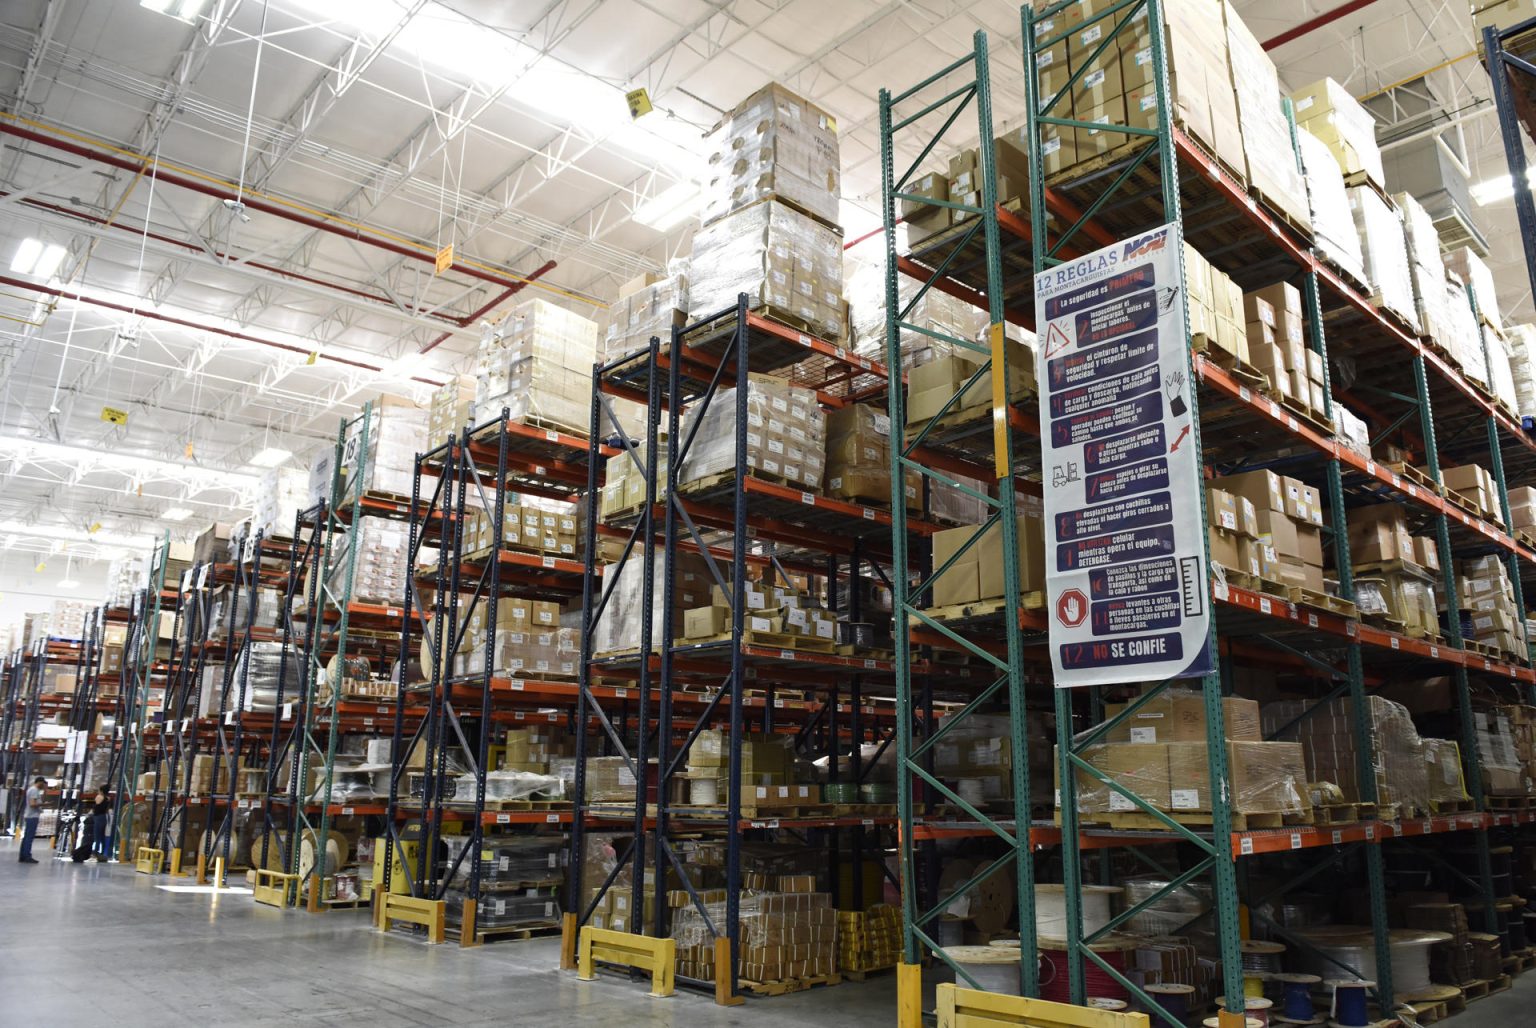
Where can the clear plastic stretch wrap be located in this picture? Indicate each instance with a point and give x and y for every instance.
(1385, 250)
(1503, 772)
(1465, 347)
(618, 629)
(652, 310)
(125, 576)
(1501, 381)
(282, 493)
(1332, 223)
(396, 429)
(512, 785)
(503, 909)
(536, 362)
(774, 143)
(978, 750)
(786, 434)
(229, 610)
(1266, 132)
(864, 286)
(262, 665)
(508, 860)
(1327, 738)
(1522, 369)
(550, 652)
(1171, 913)
(1443, 759)
(1466, 265)
(380, 565)
(1351, 431)
(1266, 777)
(1426, 266)
(783, 934)
(778, 257)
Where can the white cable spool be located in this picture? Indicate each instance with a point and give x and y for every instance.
(995, 968)
(1355, 948)
(1051, 908)
(335, 852)
(971, 791)
(704, 792)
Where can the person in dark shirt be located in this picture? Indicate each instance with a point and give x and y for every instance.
(101, 814)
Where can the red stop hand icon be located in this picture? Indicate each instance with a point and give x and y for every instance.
(1072, 608)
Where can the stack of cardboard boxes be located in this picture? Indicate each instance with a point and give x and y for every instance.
(1271, 160)
(786, 436)
(1395, 571)
(930, 386)
(1522, 509)
(1522, 368)
(868, 940)
(864, 284)
(1232, 524)
(528, 641)
(648, 305)
(977, 574)
(1328, 111)
(1475, 484)
(624, 487)
(1117, 85)
(774, 144)
(1159, 753)
(1277, 345)
(1385, 250)
(536, 362)
(775, 609)
(395, 430)
(448, 410)
(618, 629)
(1333, 226)
(1445, 782)
(380, 561)
(282, 493)
(1485, 590)
(859, 458)
(1504, 771)
(1287, 546)
(1426, 268)
(961, 183)
(1474, 273)
(68, 619)
(788, 933)
(1215, 307)
(549, 527)
(1327, 739)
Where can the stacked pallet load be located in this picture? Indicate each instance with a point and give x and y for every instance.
(1490, 616)
(960, 182)
(932, 388)
(770, 215)
(380, 562)
(1327, 111)
(1477, 277)
(1447, 788)
(68, 619)
(1286, 544)
(868, 940)
(448, 409)
(1159, 754)
(1522, 510)
(773, 616)
(1395, 571)
(544, 527)
(788, 935)
(624, 488)
(1270, 156)
(1215, 309)
(648, 305)
(1327, 739)
(1475, 490)
(618, 629)
(1117, 86)
(765, 767)
(520, 881)
(976, 574)
(1427, 270)
(1384, 247)
(280, 496)
(786, 437)
(1505, 749)
(1333, 226)
(125, 577)
(535, 361)
(934, 311)
(1277, 346)
(1521, 338)
(859, 458)
(395, 430)
(525, 642)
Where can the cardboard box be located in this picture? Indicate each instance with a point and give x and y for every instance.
(704, 622)
(1178, 715)
(1142, 768)
(1263, 488)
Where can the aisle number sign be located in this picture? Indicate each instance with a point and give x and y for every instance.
(115, 416)
(1125, 538)
(444, 259)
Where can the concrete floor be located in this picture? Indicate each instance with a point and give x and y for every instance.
(91, 945)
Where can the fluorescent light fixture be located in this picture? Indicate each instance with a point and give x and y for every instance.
(1500, 187)
(146, 469)
(670, 207)
(271, 457)
(176, 514)
(182, 10)
(20, 533)
(34, 257)
(67, 583)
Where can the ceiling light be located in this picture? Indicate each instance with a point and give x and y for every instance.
(20, 532)
(271, 457)
(147, 469)
(34, 257)
(176, 514)
(671, 207)
(67, 583)
(1498, 188)
(182, 10)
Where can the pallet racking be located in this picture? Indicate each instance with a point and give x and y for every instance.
(1168, 172)
(142, 667)
(685, 686)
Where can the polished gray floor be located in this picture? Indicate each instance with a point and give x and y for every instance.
(93, 945)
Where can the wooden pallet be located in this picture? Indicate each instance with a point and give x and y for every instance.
(550, 805)
(1322, 601)
(1510, 802)
(717, 812)
(1476, 989)
(722, 478)
(1504, 980)
(1408, 473)
(864, 974)
(862, 809)
(1320, 422)
(1241, 822)
(784, 986)
(971, 609)
(1338, 813)
(772, 640)
(850, 650)
(539, 930)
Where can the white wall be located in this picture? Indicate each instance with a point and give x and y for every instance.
(24, 590)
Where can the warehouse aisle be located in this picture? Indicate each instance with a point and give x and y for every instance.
(84, 944)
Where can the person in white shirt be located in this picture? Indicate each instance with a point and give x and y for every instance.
(32, 812)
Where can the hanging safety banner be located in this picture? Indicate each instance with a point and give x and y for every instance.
(1125, 538)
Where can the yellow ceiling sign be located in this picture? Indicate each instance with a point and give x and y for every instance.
(115, 416)
(639, 102)
(445, 258)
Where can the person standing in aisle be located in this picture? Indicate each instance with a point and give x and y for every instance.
(32, 812)
(101, 813)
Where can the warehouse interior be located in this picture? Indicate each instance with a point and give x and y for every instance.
(754, 511)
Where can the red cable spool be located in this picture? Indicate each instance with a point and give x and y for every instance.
(1055, 982)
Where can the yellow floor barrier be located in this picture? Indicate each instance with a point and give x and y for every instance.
(657, 956)
(148, 861)
(969, 1008)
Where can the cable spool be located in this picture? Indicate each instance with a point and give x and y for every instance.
(1260, 957)
(1175, 999)
(840, 792)
(704, 792)
(1296, 999)
(1355, 948)
(1257, 1008)
(276, 845)
(1105, 1003)
(1348, 1009)
(1248, 1022)
(336, 850)
(951, 932)
(1114, 951)
(1051, 908)
(995, 968)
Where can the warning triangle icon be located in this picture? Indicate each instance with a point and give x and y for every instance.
(1055, 341)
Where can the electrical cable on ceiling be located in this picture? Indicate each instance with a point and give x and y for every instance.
(238, 207)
